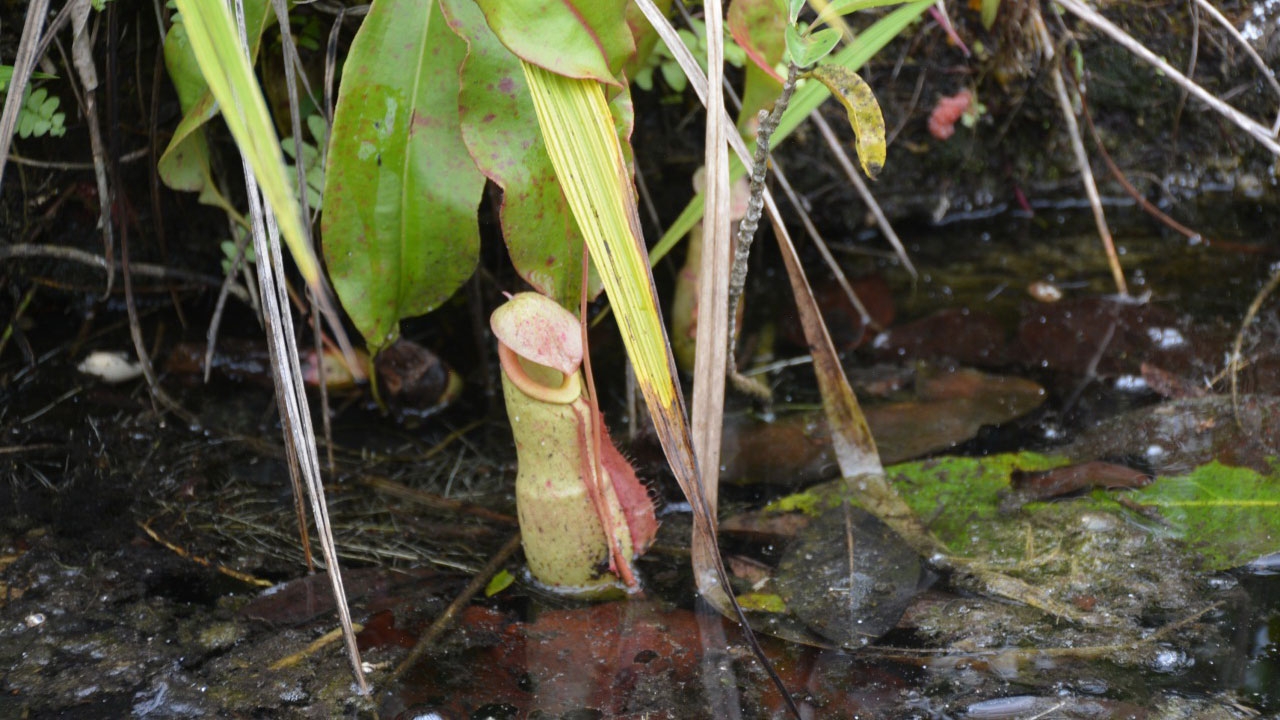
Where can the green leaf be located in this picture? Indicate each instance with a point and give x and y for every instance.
(184, 164)
(674, 76)
(216, 45)
(818, 46)
(793, 10)
(1230, 515)
(499, 582)
(500, 129)
(757, 27)
(989, 10)
(48, 107)
(574, 38)
(36, 99)
(401, 192)
(795, 44)
(762, 602)
(6, 74)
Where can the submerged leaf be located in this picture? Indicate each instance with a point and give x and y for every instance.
(848, 576)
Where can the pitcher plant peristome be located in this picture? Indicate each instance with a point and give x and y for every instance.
(584, 516)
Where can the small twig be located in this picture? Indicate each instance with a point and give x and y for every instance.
(60, 252)
(1234, 363)
(203, 561)
(647, 199)
(1082, 157)
(241, 260)
(747, 231)
(445, 619)
(841, 279)
(1192, 58)
(312, 648)
(17, 315)
(1247, 46)
(131, 156)
(811, 230)
(1132, 191)
(431, 500)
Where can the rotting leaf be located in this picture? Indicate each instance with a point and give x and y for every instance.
(848, 576)
(864, 113)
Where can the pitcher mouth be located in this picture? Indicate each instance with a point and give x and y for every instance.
(513, 365)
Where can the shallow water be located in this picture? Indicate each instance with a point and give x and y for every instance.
(100, 616)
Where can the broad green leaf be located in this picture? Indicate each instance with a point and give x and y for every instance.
(573, 38)
(401, 192)
(864, 114)
(807, 50)
(793, 10)
(805, 101)
(184, 165)
(500, 129)
(215, 42)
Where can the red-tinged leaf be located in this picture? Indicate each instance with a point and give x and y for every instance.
(500, 129)
(401, 192)
(757, 26)
(584, 39)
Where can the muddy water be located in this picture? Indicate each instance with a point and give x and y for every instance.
(135, 552)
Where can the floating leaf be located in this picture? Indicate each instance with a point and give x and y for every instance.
(1230, 515)
(864, 113)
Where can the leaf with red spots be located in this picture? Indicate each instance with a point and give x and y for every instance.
(500, 129)
(401, 192)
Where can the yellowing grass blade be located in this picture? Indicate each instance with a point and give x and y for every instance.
(216, 45)
(587, 156)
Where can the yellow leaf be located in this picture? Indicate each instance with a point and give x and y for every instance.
(864, 113)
